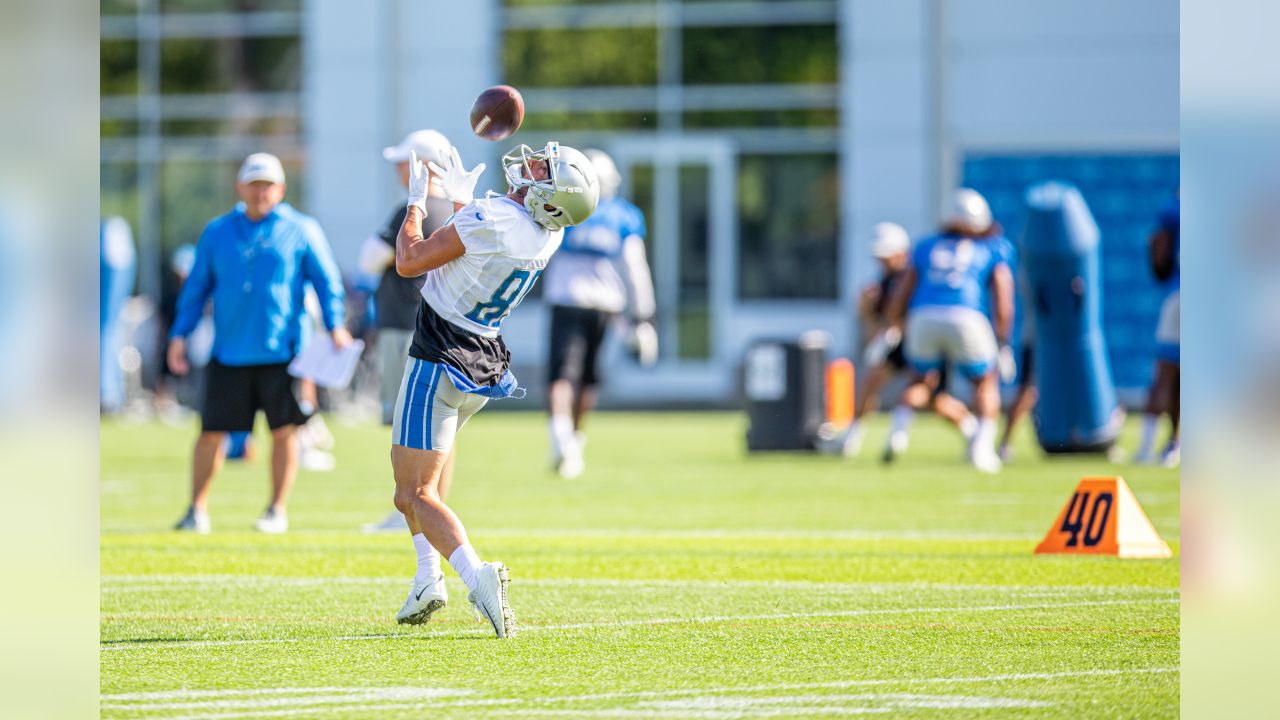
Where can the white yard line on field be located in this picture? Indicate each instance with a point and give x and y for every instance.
(709, 702)
(648, 622)
(682, 534)
(135, 583)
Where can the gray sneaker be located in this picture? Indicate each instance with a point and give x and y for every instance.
(196, 521)
(490, 598)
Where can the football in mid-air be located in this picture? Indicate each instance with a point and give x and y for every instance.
(497, 113)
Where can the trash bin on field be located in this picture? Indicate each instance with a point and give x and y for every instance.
(783, 385)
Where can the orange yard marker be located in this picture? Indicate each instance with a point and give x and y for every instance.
(1103, 517)
(840, 392)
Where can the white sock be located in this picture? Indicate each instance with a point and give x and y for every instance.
(428, 561)
(562, 436)
(984, 438)
(901, 418)
(467, 563)
(968, 426)
(1150, 423)
(854, 430)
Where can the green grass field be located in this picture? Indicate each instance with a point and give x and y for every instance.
(678, 578)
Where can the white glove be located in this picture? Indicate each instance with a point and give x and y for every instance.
(419, 179)
(880, 346)
(1008, 366)
(457, 183)
(644, 342)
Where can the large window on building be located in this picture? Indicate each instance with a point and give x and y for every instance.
(189, 88)
(788, 224)
(763, 74)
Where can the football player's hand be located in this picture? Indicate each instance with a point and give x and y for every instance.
(880, 346)
(456, 182)
(178, 356)
(341, 337)
(644, 343)
(1008, 366)
(419, 178)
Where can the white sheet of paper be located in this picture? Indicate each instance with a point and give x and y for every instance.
(326, 365)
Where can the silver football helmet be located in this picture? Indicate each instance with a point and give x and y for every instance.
(566, 196)
(606, 170)
(968, 211)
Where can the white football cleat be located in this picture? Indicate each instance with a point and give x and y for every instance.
(272, 522)
(852, 442)
(196, 521)
(1172, 457)
(571, 466)
(490, 598)
(987, 461)
(423, 601)
(897, 444)
(393, 522)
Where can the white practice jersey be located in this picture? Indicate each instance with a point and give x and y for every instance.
(506, 252)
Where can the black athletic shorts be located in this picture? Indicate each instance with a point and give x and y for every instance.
(1026, 371)
(233, 395)
(897, 358)
(576, 336)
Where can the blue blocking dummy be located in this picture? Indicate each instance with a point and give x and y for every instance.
(1078, 411)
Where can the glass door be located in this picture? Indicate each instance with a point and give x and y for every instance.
(686, 190)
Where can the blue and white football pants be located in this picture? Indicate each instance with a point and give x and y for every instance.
(430, 410)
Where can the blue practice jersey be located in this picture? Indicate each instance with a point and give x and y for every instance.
(613, 221)
(601, 264)
(953, 271)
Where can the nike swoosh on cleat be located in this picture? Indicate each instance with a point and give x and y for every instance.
(419, 595)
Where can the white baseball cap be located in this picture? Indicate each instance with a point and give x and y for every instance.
(430, 145)
(889, 240)
(261, 166)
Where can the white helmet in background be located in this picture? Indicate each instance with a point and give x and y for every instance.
(889, 239)
(569, 193)
(430, 145)
(968, 212)
(606, 171)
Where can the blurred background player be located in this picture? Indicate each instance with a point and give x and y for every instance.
(118, 266)
(599, 272)
(478, 268)
(1026, 396)
(397, 298)
(944, 297)
(883, 357)
(1163, 397)
(255, 263)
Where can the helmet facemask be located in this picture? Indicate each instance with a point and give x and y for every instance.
(566, 196)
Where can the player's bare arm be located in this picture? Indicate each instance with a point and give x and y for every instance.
(1160, 248)
(896, 311)
(1002, 292)
(415, 254)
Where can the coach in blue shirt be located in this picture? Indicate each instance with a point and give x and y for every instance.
(255, 263)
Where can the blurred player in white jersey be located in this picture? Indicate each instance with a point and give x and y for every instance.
(599, 272)
(952, 278)
(478, 267)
